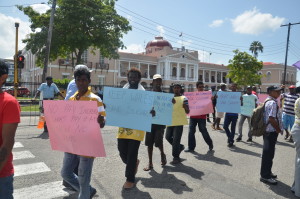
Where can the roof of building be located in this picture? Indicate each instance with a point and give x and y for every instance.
(269, 63)
(158, 42)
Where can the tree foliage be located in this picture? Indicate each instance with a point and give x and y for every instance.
(243, 69)
(255, 47)
(62, 83)
(78, 25)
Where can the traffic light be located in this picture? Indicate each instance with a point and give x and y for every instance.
(21, 59)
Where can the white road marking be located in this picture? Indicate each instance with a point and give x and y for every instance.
(18, 145)
(22, 155)
(45, 191)
(27, 169)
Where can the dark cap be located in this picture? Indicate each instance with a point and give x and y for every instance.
(176, 84)
(273, 88)
(249, 87)
(49, 78)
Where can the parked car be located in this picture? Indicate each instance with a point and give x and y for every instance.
(22, 91)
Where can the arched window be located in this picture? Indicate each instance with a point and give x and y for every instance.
(122, 83)
(268, 76)
(174, 71)
(182, 72)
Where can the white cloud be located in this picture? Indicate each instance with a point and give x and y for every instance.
(40, 8)
(161, 30)
(254, 22)
(133, 48)
(216, 23)
(8, 35)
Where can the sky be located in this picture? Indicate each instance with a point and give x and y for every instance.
(214, 28)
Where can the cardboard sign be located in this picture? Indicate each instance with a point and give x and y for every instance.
(163, 107)
(199, 102)
(128, 108)
(248, 105)
(73, 127)
(229, 102)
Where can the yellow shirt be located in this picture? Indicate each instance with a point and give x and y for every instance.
(126, 133)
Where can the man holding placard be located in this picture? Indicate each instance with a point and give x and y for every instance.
(155, 137)
(129, 140)
(249, 103)
(199, 120)
(174, 131)
(231, 118)
(81, 182)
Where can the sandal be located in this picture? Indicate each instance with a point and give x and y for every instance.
(148, 168)
(163, 160)
(128, 185)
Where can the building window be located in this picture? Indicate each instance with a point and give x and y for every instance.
(206, 76)
(200, 78)
(101, 80)
(268, 76)
(219, 77)
(84, 56)
(174, 72)
(182, 72)
(101, 58)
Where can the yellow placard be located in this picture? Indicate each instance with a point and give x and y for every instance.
(126, 133)
(179, 115)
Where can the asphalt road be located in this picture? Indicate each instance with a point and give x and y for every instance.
(222, 173)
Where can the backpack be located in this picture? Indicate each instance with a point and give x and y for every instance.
(257, 123)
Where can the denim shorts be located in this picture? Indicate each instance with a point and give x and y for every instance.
(288, 121)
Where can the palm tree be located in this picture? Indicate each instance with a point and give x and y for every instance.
(255, 47)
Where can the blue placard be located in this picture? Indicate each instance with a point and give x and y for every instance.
(163, 107)
(128, 108)
(229, 102)
(248, 105)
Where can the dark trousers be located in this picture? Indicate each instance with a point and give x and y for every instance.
(202, 128)
(128, 150)
(270, 139)
(230, 119)
(173, 136)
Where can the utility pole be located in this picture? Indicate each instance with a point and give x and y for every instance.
(287, 48)
(49, 41)
(16, 63)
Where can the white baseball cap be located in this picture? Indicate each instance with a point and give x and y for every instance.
(157, 76)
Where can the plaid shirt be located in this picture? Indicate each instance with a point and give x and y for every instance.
(271, 108)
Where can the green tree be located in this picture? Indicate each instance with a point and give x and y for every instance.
(255, 47)
(243, 69)
(78, 25)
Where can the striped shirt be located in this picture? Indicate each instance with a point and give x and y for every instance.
(289, 103)
(89, 96)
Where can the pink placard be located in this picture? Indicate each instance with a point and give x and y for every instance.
(263, 97)
(73, 127)
(199, 102)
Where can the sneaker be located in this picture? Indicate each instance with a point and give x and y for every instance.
(273, 175)
(249, 140)
(268, 180)
(238, 139)
(93, 192)
(189, 150)
(182, 148)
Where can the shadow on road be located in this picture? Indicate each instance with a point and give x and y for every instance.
(165, 180)
(181, 168)
(244, 151)
(286, 143)
(283, 190)
(44, 135)
(135, 193)
(209, 156)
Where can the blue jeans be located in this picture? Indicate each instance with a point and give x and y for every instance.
(202, 128)
(81, 182)
(230, 119)
(173, 136)
(6, 187)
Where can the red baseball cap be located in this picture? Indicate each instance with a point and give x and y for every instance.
(292, 86)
